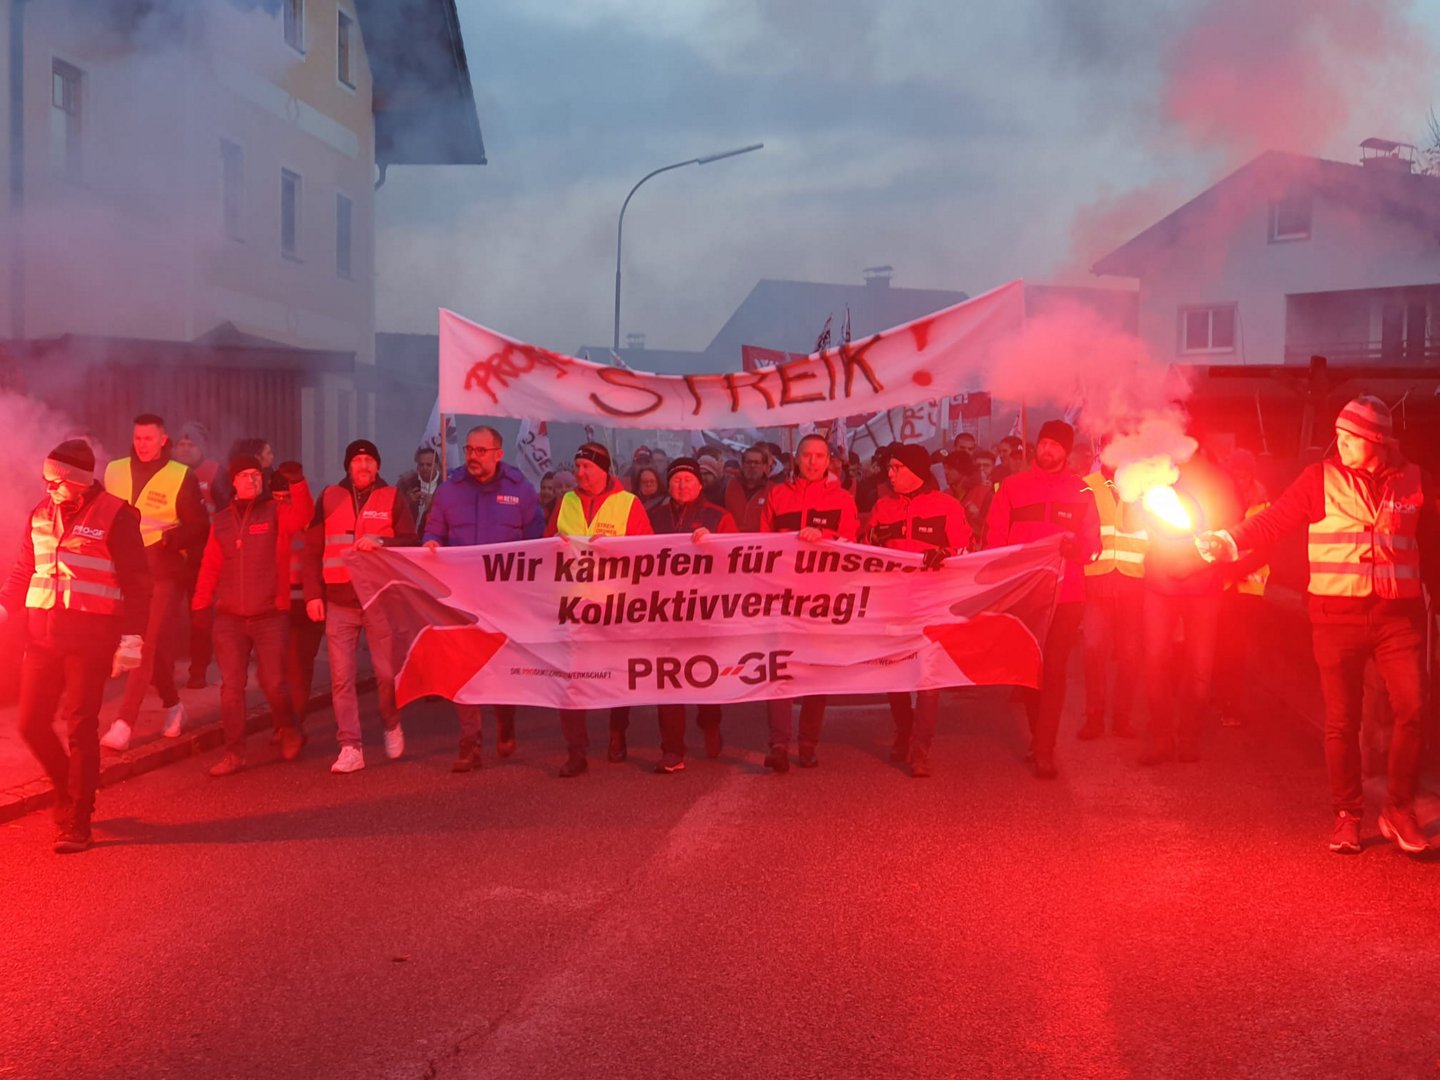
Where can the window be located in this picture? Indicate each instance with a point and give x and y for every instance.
(289, 214)
(1208, 329)
(347, 30)
(343, 211)
(232, 187)
(66, 82)
(1290, 218)
(294, 11)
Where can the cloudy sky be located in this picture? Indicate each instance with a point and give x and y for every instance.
(965, 144)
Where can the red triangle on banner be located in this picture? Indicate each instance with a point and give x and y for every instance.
(991, 649)
(443, 659)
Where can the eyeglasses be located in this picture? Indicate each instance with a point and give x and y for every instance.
(481, 449)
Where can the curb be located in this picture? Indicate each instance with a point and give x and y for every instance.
(16, 802)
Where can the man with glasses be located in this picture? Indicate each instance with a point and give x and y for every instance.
(83, 581)
(489, 503)
(745, 494)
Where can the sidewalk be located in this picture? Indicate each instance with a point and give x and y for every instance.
(24, 787)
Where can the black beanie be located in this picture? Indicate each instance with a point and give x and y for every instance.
(358, 447)
(913, 456)
(595, 454)
(1060, 432)
(684, 464)
(76, 453)
(240, 462)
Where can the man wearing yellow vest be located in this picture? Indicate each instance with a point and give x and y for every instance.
(1372, 539)
(361, 513)
(1114, 612)
(83, 583)
(174, 527)
(598, 506)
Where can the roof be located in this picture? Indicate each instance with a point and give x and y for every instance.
(423, 101)
(1389, 192)
(789, 315)
(254, 353)
(655, 361)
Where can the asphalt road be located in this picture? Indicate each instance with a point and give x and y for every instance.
(850, 921)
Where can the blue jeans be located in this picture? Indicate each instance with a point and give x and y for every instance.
(342, 634)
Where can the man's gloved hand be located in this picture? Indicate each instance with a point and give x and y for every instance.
(935, 558)
(292, 471)
(127, 656)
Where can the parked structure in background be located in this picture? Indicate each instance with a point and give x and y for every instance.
(201, 173)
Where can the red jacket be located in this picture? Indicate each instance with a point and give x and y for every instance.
(1034, 504)
(636, 524)
(823, 503)
(246, 566)
(928, 518)
(746, 508)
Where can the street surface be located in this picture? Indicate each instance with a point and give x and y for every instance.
(846, 921)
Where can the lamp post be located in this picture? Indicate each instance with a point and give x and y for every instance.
(620, 230)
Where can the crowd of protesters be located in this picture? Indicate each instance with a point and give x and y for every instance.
(111, 563)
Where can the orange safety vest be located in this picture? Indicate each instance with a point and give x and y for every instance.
(1365, 545)
(1119, 550)
(377, 518)
(73, 568)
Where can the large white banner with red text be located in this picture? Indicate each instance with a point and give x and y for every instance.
(483, 373)
(634, 620)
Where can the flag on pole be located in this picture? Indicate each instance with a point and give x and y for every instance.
(845, 331)
(534, 443)
(433, 440)
(823, 341)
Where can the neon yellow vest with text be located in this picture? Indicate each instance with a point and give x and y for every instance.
(610, 520)
(158, 501)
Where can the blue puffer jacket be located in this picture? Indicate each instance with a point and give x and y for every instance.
(467, 512)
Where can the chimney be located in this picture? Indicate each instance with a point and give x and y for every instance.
(635, 341)
(878, 277)
(1386, 155)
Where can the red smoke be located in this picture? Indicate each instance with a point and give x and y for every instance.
(1295, 74)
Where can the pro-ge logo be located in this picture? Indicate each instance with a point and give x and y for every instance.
(89, 532)
(374, 515)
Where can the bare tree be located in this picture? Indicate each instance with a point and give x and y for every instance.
(1430, 154)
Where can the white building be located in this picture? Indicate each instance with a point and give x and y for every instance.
(1293, 256)
(203, 171)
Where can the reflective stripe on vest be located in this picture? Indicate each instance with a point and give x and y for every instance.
(158, 501)
(377, 518)
(75, 570)
(610, 520)
(1365, 545)
(1119, 550)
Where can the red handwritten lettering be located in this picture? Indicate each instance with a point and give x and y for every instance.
(621, 377)
(512, 361)
(793, 373)
(852, 358)
(737, 381)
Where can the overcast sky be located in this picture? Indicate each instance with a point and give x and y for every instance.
(965, 144)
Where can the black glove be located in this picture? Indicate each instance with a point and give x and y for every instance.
(934, 558)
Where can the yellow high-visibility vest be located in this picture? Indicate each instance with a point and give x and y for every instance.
(1119, 549)
(610, 520)
(158, 501)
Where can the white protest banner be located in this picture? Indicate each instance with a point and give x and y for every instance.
(534, 446)
(483, 373)
(576, 623)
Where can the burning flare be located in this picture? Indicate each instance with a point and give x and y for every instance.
(1162, 501)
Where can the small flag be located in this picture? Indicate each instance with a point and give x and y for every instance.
(845, 333)
(823, 341)
(534, 443)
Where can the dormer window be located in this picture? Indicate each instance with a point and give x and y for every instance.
(1290, 218)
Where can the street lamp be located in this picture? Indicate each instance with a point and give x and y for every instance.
(620, 230)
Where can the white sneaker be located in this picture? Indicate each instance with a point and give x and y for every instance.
(174, 719)
(351, 759)
(394, 742)
(118, 737)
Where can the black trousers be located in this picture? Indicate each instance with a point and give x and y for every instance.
(71, 680)
(1043, 707)
(236, 636)
(300, 652)
(812, 718)
(1393, 634)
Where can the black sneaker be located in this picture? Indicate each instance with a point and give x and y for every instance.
(671, 763)
(468, 759)
(72, 841)
(1345, 837)
(1045, 767)
(778, 760)
(920, 764)
(618, 750)
(574, 765)
(1399, 823)
(806, 758)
